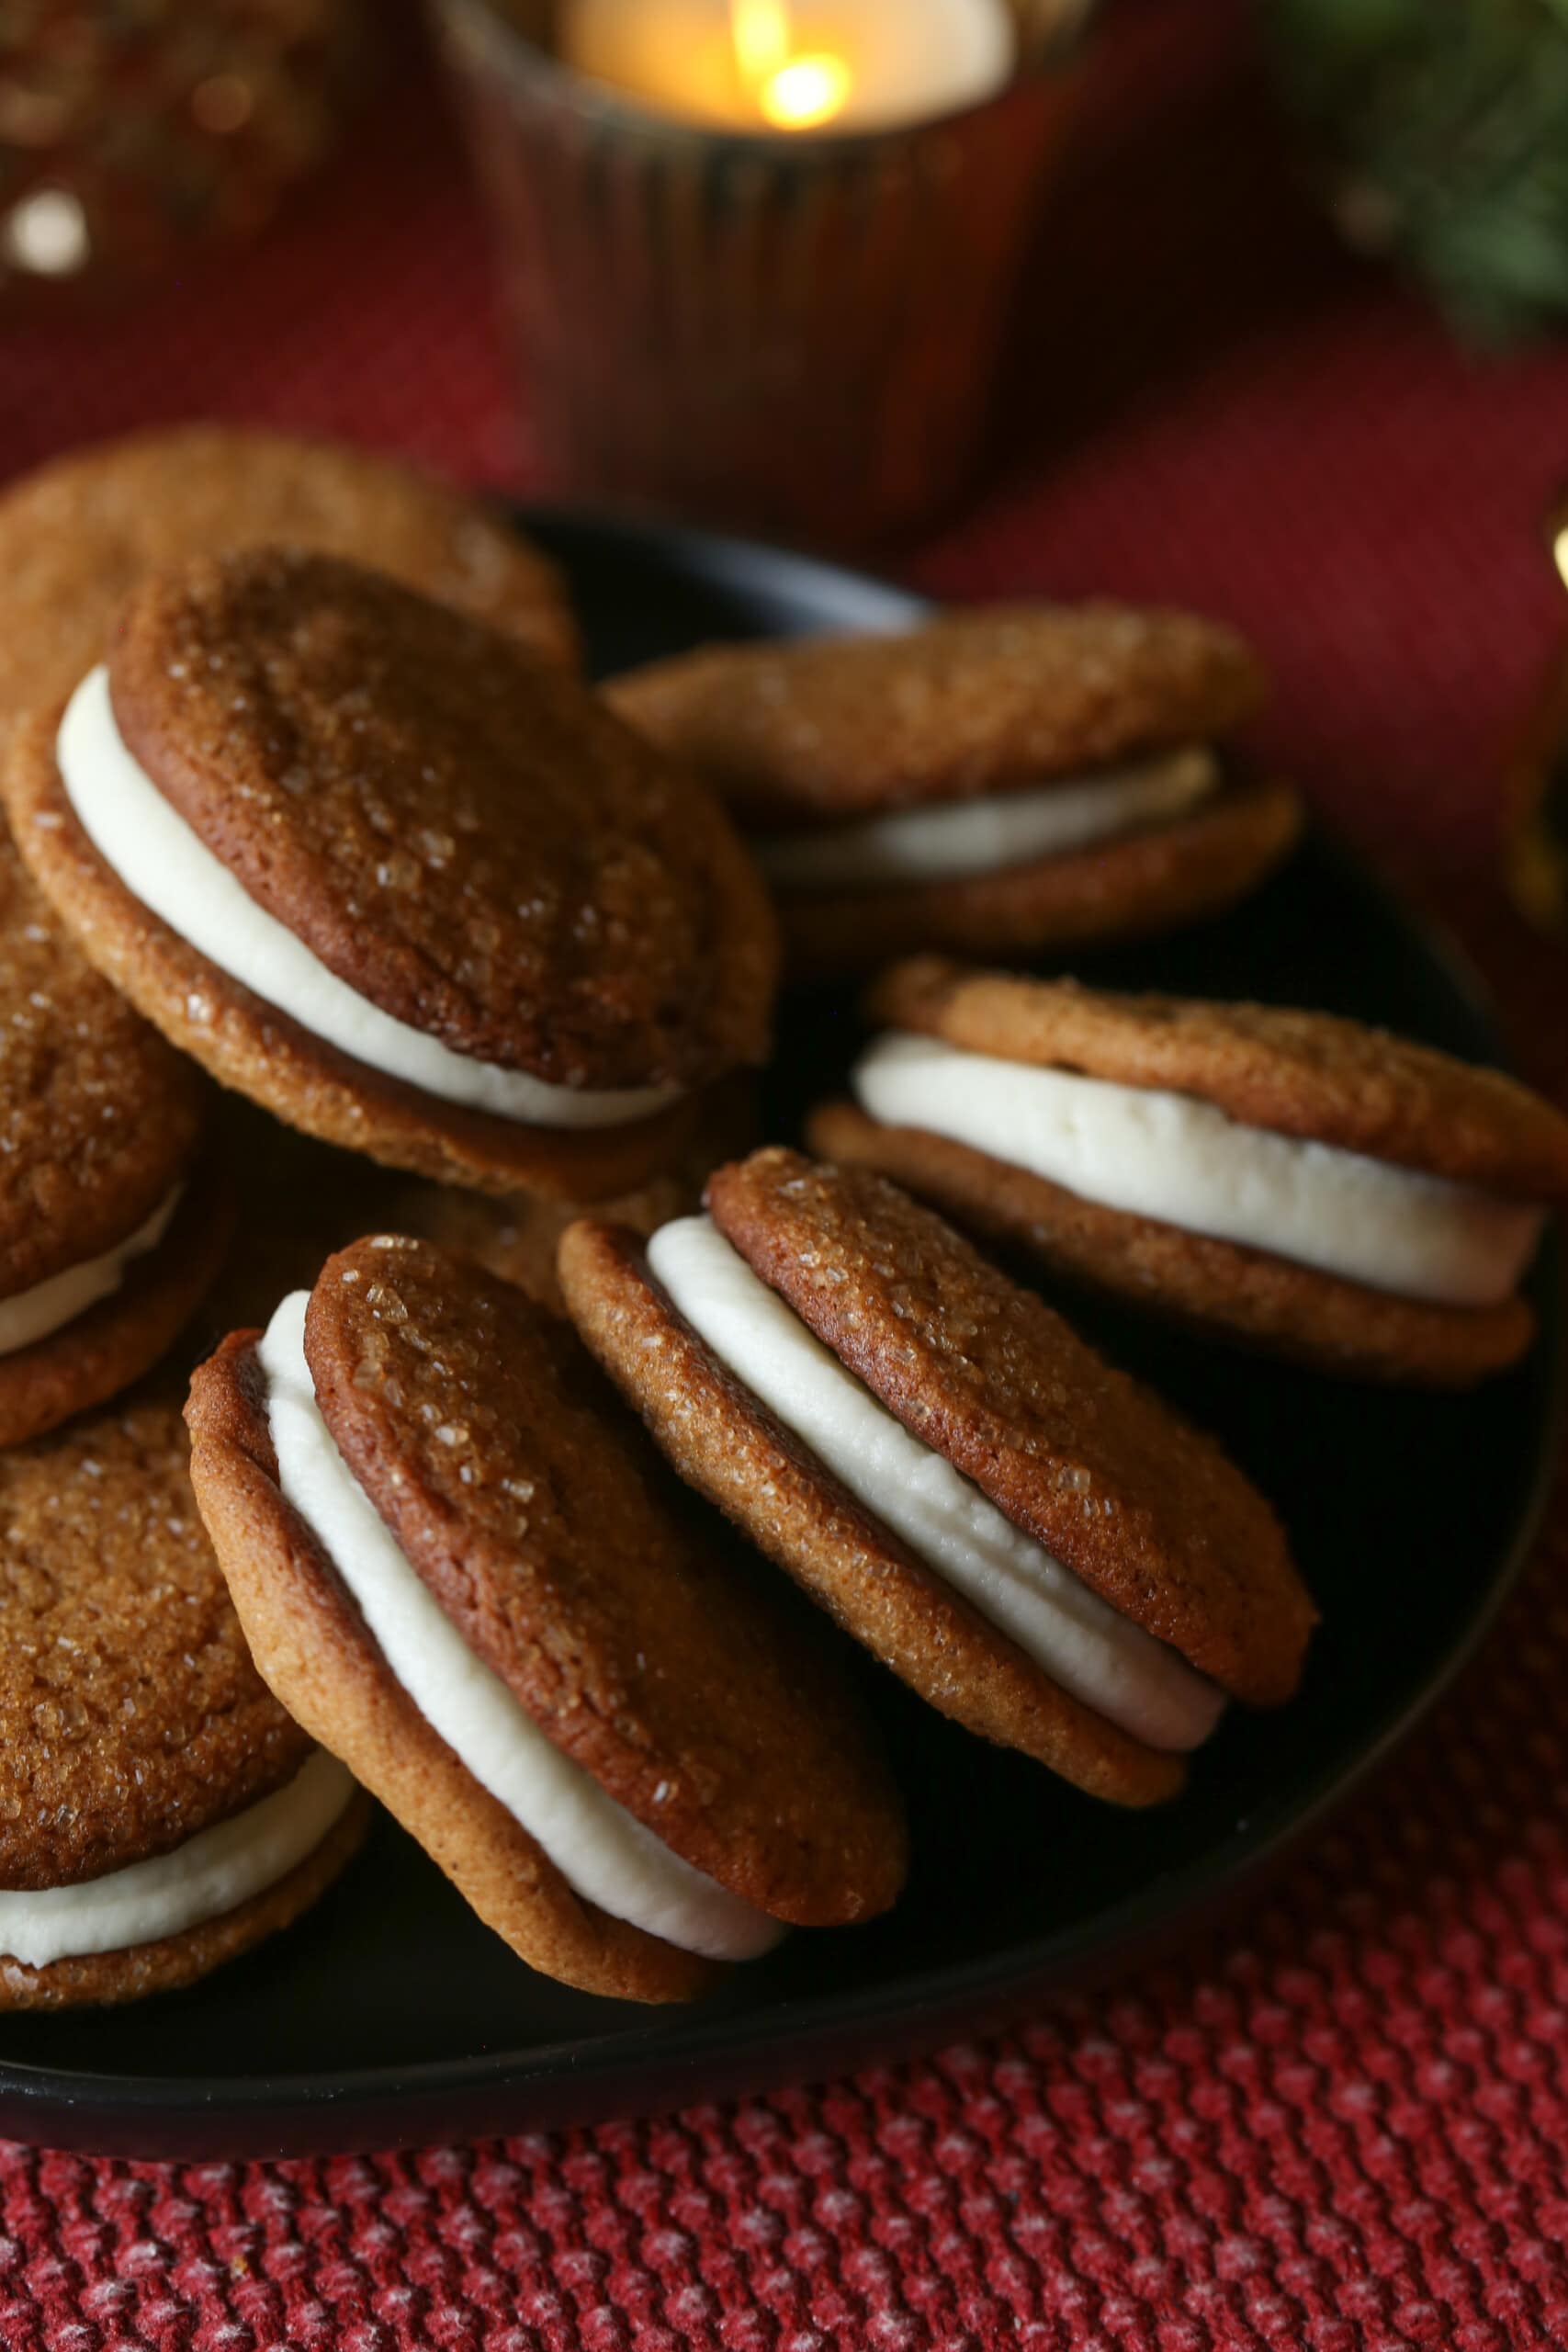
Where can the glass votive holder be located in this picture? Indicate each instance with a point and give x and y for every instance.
(793, 335)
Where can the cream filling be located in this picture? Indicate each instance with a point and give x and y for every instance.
(1182, 1161)
(985, 836)
(602, 1850)
(1080, 1641)
(29, 1316)
(215, 1871)
(160, 860)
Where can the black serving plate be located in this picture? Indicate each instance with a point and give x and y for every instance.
(392, 2014)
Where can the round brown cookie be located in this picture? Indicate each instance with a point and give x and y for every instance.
(518, 1238)
(80, 533)
(830, 730)
(1311, 1075)
(458, 833)
(1131, 886)
(98, 1118)
(97, 1353)
(727, 1445)
(131, 1717)
(1218, 1287)
(1146, 1509)
(260, 1051)
(525, 1500)
(637, 951)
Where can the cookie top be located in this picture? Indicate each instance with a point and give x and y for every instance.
(999, 699)
(130, 1714)
(1145, 1508)
(98, 1117)
(1308, 1074)
(454, 829)
(79, 534)
(530, 1504)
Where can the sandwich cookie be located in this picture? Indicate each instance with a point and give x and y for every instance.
(1286, 1179)
(80, 533)
(463, 1569)
(1028, 776)
(398, 881)
(1032, 1541)
(113, 1220)
(159, 1812)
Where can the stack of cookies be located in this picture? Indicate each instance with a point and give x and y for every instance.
(380, 1011)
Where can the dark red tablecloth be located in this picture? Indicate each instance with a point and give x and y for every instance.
(1348, 2128)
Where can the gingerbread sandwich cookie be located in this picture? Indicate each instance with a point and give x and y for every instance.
(396, 879)
(1032, 1541)
(80, 533)
(159, 1811)
(113, 1216)
(1027, 777)
(1289, 1179)
(463, 1568)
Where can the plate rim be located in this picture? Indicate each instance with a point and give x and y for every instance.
(89, 2107)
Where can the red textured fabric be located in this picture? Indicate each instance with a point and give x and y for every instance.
(1347, 2130)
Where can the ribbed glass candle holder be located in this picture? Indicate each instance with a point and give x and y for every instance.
(795, 336)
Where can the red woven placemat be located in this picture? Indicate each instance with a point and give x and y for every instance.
(1348, 2128)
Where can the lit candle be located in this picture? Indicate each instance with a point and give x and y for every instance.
(795, 65)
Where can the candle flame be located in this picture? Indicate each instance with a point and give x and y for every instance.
(805, 93)
(795, 92)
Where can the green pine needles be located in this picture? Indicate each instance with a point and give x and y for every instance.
(1444, 126)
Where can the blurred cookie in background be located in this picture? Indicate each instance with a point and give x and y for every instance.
(77, 536)
(1014, 777)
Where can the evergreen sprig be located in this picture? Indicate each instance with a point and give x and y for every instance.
(1444, 127)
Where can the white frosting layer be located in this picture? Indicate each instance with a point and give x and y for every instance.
(1183, 1162)
(599, 1848)
(1079, 1640)
(215, 1871)
(984, 836)
(31, 1314)
(162, 862)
